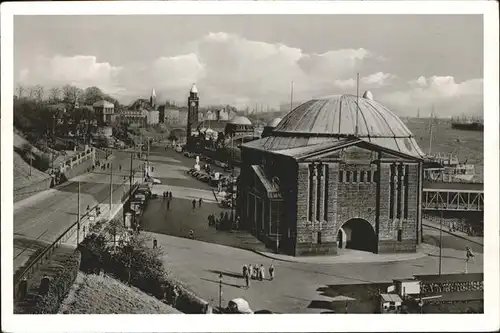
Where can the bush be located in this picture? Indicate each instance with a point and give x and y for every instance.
(59, 287)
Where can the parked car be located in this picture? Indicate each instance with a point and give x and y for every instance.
(238, 305)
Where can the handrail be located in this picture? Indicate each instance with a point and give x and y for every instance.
(55, 243)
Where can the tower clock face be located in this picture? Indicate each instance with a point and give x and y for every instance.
(193, 104)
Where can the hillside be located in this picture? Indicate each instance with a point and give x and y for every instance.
(94, 294)
(22, 176)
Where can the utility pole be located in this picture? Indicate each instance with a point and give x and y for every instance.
(110, 188)
(220, 291)
(357, 102)
(441, 240)
(78, 221)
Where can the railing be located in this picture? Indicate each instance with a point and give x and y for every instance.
(45, 255)
(457, 200)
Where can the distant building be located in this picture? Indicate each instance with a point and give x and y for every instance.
(217, 114)
(105, 112)
(192, 119)
(136, 117)
(153, 117)
(152, 99)
(171, 116)
(322, 181)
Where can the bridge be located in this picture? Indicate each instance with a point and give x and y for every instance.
(453, 196)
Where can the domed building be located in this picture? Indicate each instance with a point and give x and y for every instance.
(270, 126)
(332, 175)
(239, 125)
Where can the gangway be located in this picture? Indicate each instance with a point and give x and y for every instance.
(452, 199)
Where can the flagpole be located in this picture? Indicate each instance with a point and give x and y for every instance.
(357, 102)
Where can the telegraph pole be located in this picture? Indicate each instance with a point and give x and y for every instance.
(110, 188)
(441, 240)
(78, 221)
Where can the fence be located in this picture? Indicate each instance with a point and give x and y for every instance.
(46, 254)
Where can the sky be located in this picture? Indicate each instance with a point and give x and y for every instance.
(408, 62)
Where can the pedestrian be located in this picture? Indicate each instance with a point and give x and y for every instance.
(191, 234)
(194, 204)
(155, 244)
(88, 208)
(170, 195)
(271, 272)
(120, 167)
(168, 204)
(468, 254)
(199, 202)
(262, 272)
(247, 280)
(250, 271)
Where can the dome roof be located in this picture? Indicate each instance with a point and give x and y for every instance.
(333, 118)
(239, 120)
(336, 116)
(274, 122)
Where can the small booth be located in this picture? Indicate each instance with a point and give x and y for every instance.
(390, 303)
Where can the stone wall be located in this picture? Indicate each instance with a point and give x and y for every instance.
(28, 191)
(388, 226)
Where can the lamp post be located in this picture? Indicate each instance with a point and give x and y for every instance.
(441, 239)
(220, 291)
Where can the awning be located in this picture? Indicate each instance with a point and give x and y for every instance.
(272, 189)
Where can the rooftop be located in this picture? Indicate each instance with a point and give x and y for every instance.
(240, 120)
(103, 103)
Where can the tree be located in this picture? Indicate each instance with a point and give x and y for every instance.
(20, 90)
(55, 94)
(92, 95)
(38, 92)
(69, 93)
(31, 93)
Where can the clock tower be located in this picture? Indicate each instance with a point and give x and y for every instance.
(192, 119)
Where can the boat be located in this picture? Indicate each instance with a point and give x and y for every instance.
(467, 123)
(448, 168)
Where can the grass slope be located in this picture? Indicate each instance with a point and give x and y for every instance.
(93, 294)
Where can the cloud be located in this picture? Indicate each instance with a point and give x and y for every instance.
(442, 91)
(80, 70)
(230, 69)
(377, 79)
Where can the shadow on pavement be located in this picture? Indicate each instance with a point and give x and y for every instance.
(225, 283)
(320, 305)
(230, 274)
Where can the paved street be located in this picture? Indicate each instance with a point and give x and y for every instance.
(40, 219)
(199, 262)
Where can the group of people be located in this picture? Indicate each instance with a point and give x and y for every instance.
(97, 210)
(194, 203)
(256, 272)
(223, 222)
(167, 196)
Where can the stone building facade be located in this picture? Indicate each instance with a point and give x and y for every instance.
(321, 181)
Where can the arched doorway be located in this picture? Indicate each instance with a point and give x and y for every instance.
(357, 234)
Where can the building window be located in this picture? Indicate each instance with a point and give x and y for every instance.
(369, 176)
(319, 237)
(407, 169)
(391, 191)
(311, 178)
(325, 203)
(362, 176)
(355, 176)
(400, 235)
(348, 176)
(341, 176)
(400, 191)
(319, 174)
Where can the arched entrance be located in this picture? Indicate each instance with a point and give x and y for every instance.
(357, 234)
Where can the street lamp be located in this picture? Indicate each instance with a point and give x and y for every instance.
(441, 239)
(220, 291)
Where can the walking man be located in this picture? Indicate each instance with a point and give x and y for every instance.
(194, 204)
(271, 272)
(245, 270)
(262, 272)
(199, 202)
(247, 278)
(155, 244)
(468, 254)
